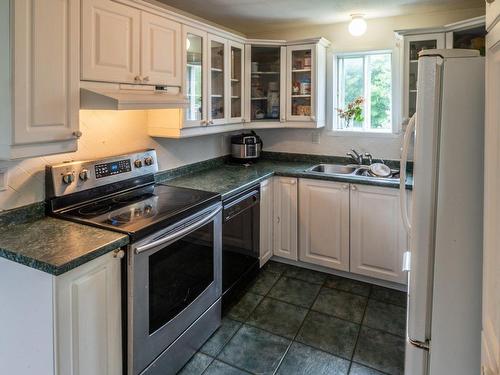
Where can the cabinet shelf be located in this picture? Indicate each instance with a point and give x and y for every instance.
(216, 96)
(235, 97)
(265, 73)
(263, 98)
(413, 61)
(218, 70)
(301, 96)
(412, 91)
(234, 80)
(301, 70)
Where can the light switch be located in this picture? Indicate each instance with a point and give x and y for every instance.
(3, 179)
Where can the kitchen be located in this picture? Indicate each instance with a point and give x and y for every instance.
(244, 191)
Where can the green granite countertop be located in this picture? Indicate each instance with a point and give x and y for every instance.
(230, 179)
(55, 246)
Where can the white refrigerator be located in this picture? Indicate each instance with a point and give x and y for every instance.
(444, 215)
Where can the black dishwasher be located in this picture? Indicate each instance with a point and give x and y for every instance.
(240, 242)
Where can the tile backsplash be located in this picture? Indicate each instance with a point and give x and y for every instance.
(105, 133)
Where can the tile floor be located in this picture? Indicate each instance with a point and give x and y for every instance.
(297, 321)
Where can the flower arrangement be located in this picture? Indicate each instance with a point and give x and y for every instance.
(354, 110)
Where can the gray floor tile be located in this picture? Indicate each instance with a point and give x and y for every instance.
(264, 282)
(388, 295)
(340, 304)
(196, 365)
(304, 274)
(276, 267)
(220, 338)
(295, 291)
(357, 369)
(348, 285)
(381, 351)
(278, 317)
(386, 317)
(220, 368)
(242, 310)
(325, 332)
(255, 350)
(304, 360)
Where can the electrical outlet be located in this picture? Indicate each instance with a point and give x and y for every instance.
(3, 179)
(316, 137)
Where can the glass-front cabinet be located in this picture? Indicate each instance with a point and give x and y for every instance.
(413, 46)
(195, 80)
(300, 87)
(237, 65)
(267, 83)
(217, 80)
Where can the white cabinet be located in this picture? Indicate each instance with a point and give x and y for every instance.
(88, 318)
(285, 217)
(378, 238)
(236, 65)
(39, 95)
(266, 221)
(490, 347)
(126, 45)
(306, 84)
(324, 223)
(111, 38)
(161, 54)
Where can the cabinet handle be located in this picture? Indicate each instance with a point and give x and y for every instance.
(119, 254)
(353, 187)
(278, 219)
(313, 118)
(211, 122)
(77, 134)
(145, 79)
(490, 1)
(282, 119)
(292, 182)
(137, 79)
(345, 187)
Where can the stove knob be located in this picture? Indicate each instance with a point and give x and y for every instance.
(84, 174)
(148, 161)
(138, 163)
(68, 178)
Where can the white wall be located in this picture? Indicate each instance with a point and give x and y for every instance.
(106, 133)
(380, 35)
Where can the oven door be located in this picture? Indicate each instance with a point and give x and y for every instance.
(174, 277)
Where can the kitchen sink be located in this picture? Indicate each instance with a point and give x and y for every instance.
(349, 170)
(334, 168)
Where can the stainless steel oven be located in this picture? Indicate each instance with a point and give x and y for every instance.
(240, 242)
(174, 289)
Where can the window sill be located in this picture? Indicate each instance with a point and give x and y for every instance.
(365, 134)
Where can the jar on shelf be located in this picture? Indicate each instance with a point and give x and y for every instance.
(296, 88)
(305, 86)
(307, 60)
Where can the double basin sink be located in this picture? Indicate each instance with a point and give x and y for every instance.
(349, 170)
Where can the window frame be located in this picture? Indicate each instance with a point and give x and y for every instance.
(395, 129)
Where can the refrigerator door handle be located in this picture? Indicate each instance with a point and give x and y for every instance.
(402, 173)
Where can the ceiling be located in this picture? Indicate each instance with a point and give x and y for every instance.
(250, 16)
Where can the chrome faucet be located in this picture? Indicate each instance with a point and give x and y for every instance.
(369, 157)
(354, 155)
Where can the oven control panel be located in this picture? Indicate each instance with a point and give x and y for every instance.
(113, 168)
(76, 176)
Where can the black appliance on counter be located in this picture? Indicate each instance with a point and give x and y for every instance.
(246, 147)
(240, 242)
(174, 259)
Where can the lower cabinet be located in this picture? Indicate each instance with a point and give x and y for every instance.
(266, 221)
(324, 223)
(285, 217)
(378, 238)
(88, 318)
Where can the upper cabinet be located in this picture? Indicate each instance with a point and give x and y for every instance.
(39, 95)
(218, 69)
(236, 68)
(126, 45)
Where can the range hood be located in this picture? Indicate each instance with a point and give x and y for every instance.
(126, 97)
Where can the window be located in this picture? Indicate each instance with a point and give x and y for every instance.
(367, 76)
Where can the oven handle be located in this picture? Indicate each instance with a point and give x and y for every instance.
(181, 233)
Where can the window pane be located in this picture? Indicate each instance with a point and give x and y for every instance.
(352, 82)
(380, 91)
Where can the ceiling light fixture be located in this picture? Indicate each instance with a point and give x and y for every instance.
(357, 26)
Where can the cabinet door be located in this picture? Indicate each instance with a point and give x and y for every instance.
(195, 76)
(301, 82)
(46, 75)
(89, 327)
(266, 221)
(110, 42)
(324, 223)
(378, 238)
(412, 46)
(492, 13)
(285, 217)
(490, 347)
(236, 66)
(217, 62)
(161, 54)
